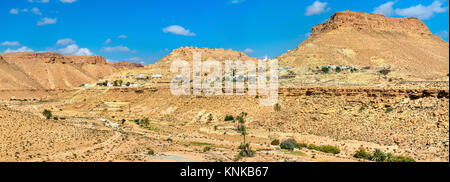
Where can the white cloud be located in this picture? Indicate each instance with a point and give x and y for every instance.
(385, 9)
(316, 8)
(10, 43)
(46, 21)
(39, 1)
(65, 41)
(122, 37)
(249, 51)
(22, 49)
(67, 1)
(115, 49)
(107, 41)
(422, 12)
(36, 11)
(178, 30)
(14, 11)
(74, 50)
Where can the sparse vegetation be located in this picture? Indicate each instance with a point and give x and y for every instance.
(246, 151)
(229, 118)
(288, 144)
(47, 113)
(380, 156)
(277, 107)
(206, 149)
(362, 108)
(301, 145)
(361, 153)
(199, 143)
(151, 152)
(275, 142)
(325, 69)
(325, 148)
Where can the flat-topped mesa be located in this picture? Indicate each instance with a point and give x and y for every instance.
(51, 57)
(372, 22)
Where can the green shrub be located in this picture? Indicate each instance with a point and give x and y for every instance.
(378, 156)
(206, 149)
(246, 151)
(338, 69)
(301, 145)
(288, 144)
(329, 149)
(229, 118)
(47, 113)
(398, 158)
(325, 148)
(151, 152)
(325, 69)
(362, 154)
(276, 107)
(55, 118)
(362, 108)
(275, 142)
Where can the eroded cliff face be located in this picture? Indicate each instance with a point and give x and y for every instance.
(371, 40)
(49, 70)
(372, 22)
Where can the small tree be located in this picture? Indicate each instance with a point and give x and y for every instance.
(245, 147)
(288, 144)
(47, 113)
(325, 69)
(338, 69)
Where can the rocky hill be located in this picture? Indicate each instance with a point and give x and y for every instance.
(404, 45)
(186, 54)
(52, 70)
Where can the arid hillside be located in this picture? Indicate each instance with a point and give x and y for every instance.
(404, 45)
(52, 70)
(185, 53)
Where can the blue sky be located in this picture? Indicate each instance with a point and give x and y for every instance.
(145, 31)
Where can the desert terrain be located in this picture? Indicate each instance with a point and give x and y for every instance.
(357, 83)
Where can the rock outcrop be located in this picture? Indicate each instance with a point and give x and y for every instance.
(372, 22)
(371, 40)
(186, 54)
